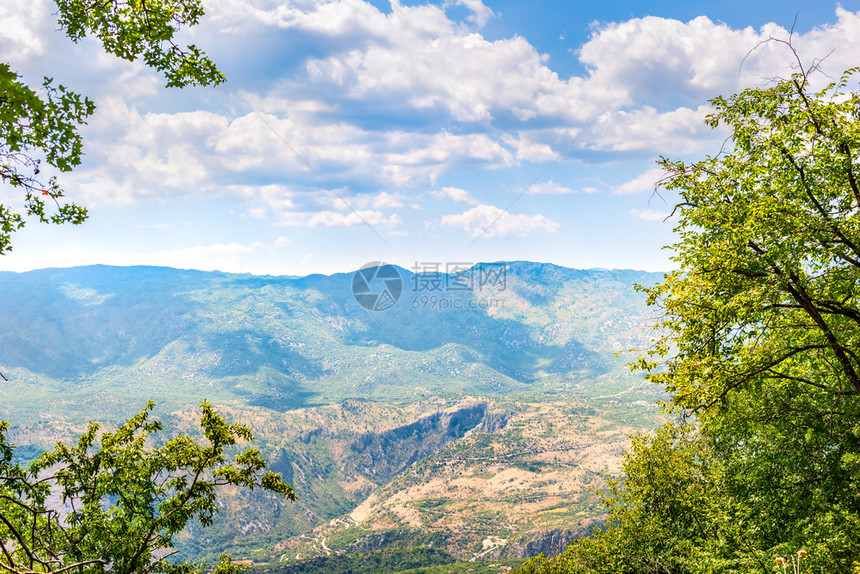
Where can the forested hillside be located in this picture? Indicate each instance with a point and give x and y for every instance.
(479, 427)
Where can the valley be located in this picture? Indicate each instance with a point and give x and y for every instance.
(483, 432)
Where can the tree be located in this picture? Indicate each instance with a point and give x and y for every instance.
(665, 516)
(42, 124)
(123, 499)
(762, 319)
(759, 349)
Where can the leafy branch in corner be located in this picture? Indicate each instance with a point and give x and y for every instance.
(41, 125)
(123, 500)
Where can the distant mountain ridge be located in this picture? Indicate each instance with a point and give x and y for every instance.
(548, 324)
(375, 416)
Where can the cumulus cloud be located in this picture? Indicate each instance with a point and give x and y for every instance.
(551, 188)
(23, 24)
(679, 131)
(661, 59)
(375, 219)
(645, 78)
(480, 12)
(418, 55)
(649, 214)
(644, 182)
(466, 75)
(138, 156)
(381, 200)
(490, 221)
(454, 194)
(275, 197)
(529, 147)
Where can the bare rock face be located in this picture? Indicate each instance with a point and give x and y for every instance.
(384, 455)
(494, 422)
(549, 543)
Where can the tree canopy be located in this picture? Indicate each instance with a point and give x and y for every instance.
(759, 349)
(41, 124)
(122, 499)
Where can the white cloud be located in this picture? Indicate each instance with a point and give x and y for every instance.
(644, 182)
(282, 242)
(465, 74)
(649, 214)
(655, 58)
(490, 221)
(381, 200)
(268, 200)
(372, 218)
(550, 188)
(22, 30)
(528, 148)
(375, 219)
(440, 65)
(417, 55)
(645, 78)
(455, 194)
(480, 12)
(660, 59)
(676, 132)
(275, 197)
(341, 17)
(386, 200)
(133, 156)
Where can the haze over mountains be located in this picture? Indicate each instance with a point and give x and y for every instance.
(473, 419)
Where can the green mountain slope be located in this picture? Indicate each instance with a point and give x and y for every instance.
(348, 403)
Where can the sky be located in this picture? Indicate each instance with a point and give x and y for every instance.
(417, 133)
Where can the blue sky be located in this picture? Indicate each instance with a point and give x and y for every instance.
(442, 131)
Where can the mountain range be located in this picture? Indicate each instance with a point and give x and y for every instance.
(472, 410)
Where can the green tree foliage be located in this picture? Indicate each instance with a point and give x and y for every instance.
(762, 320)
(113, 501)
(760, 349)
(670, 514)
(42, 124)
(395, 560)
(226, 565)
(384, 561)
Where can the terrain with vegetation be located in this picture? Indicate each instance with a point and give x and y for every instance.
(480, 431)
